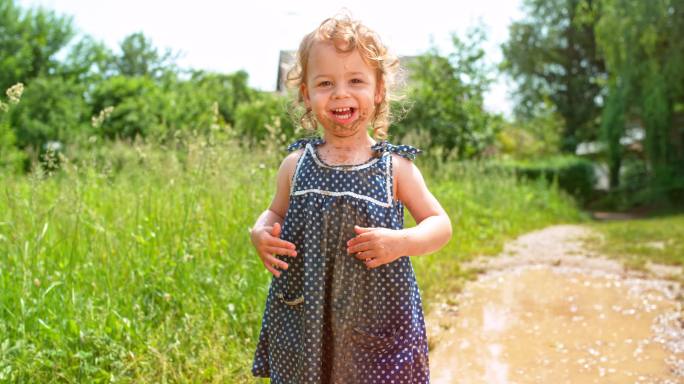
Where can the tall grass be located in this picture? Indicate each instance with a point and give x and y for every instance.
(133, 263)
(657, 239)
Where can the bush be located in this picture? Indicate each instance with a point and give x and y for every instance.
(265, 120)
(573, 174)
(138, 106)
(536, 137)
(51, 109)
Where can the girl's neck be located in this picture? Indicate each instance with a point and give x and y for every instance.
(347, 150)
(349, 143)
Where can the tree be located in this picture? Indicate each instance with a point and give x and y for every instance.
(87, 61)
(643, 43)
(29, 41)
(139, 57)
(229, 90)
(553, 55)
(446, 97)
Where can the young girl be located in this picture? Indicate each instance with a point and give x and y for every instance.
(345, 306)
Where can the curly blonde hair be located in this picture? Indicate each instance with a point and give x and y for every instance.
(346, 35)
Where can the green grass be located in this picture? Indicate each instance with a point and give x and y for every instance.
(133, 264)
(657, 239)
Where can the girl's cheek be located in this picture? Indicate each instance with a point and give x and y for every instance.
(364, 113)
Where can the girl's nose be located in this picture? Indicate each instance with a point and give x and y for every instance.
(340, 92)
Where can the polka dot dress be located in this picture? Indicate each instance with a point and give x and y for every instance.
(329, 319)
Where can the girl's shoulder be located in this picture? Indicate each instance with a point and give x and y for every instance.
(402, 150)
(301, 143)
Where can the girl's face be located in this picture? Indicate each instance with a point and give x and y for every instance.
(341, 89)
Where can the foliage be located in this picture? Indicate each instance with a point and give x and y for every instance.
(265, 120)
(88, 61)
(532, 138)
(139, 57)
(228, 90)
(573, 174)
(10, 157)
(29, 41)
(445, 94)
(52, 109)
(139, 104)
(656, 239)
(643, 43)
(552, 56)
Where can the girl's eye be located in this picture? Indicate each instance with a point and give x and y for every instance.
(325, 83)
(357, 81)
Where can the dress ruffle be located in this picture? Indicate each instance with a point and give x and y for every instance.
(301, 143)
(405, 151)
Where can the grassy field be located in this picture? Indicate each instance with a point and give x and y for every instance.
(133, 264)
(659, 239)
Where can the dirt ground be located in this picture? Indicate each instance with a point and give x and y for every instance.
(548, 310)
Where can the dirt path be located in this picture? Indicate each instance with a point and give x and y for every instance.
(549, 311)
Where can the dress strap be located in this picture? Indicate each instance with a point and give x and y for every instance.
(301, 143)
(405, 151)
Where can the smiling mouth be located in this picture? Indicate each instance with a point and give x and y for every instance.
(343, 115)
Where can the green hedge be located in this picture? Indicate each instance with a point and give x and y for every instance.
(574, 175)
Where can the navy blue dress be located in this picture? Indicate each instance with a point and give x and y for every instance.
(328, 318)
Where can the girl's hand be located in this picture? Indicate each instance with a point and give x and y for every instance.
(376, 246)
(268, 243)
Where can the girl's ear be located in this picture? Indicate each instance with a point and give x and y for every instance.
(304, 91)
(379, 92)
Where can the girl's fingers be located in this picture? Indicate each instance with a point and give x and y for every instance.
(373, 263)
(281, 251)
(273, 271)
(365, 246)
(276, 242)
(364, 237)
(365, 255)
(269, 260)
(275, 231)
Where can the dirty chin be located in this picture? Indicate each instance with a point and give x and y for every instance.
(343, 130)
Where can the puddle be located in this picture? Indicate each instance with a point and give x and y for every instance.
(546, 324)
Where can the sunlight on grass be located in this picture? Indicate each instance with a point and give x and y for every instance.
(659, 240)
(133, 263)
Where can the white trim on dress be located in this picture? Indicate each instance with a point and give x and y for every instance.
(296, 172)
(342, 193)
(388, 180)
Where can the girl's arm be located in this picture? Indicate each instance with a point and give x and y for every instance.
(377, 246)
(265, 234)
(433, 229)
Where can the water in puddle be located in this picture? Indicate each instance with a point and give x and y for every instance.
(547, 325)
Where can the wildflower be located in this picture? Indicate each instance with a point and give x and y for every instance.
(167, 297)
(215, 122)
(36, 282)
(96, 121)
(14, 93)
